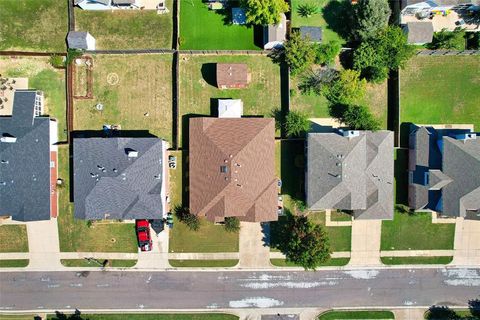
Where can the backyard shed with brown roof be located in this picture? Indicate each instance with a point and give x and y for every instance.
(232, 169)
(232, 75)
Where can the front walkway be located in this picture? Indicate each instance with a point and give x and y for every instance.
(467, 243)
(366, 237)
(254, 252)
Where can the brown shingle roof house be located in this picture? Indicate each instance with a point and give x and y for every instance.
(232, 75)
(232, 169)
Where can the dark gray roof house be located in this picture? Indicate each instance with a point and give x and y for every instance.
(314, 34)
(25, 160)
(351, 170)
(444, 171)
(419, 32)
(119, 178)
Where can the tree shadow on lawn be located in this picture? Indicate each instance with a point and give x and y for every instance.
(338, 15)
(209, 73)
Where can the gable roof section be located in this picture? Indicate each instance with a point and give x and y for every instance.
(108, 184)
(25, 189)
(232, 168)
(232, 74)
(353, 173)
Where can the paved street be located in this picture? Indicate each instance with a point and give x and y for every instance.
(189, 290)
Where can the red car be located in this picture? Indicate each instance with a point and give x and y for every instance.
(143, 235)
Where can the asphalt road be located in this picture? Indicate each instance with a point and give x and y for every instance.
(195, 290)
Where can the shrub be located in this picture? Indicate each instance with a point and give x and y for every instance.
(232, 224)
(189, 219)
(312, 82)
(296, 124)
(346, 88)
(326, 52)
(72, 54)
(448, 40)
(354, 117)
(307, 10)
(56, 61)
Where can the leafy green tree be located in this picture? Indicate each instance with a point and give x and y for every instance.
(299, 53)
(346, 88)
(370, 16)
(296, 124)
(448, 40)
(189, 219)
(312, 82)
(232, 224)
(377, 55)
(360, 118)
(306, 10)
(264, 12)
(306, 244)
(326, 52)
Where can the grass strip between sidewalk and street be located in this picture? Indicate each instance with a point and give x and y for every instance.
(118, 263)
(416, 260)
(365, 315)
(334, 262)
(225, 263)
(14, 263)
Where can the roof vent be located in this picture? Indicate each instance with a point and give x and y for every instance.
(8, 139)
(3, 183)
(132, 154)
(351, 133)
(4, 161)
(466, 136)
(223, 169)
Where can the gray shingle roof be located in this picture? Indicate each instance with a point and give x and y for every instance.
(313, 33)
(77, 40)
(26, 193)
(446, 177)
(419, 32)
(276, 32)
(108, 184)
(351, 173)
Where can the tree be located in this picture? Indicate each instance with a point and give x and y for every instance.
(296, 124)
(448, 40)
(376, 56)
(359, 118)
(299, 53)
(264, 12)
(306, 10)
(369, 16)
(315, 80)
(306, 243)
(326, 52)
(232, 224)
(346, 88)
(189, 219)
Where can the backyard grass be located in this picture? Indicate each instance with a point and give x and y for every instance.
(203, 263)
(328, 17)
(317, 106)
(209, 238)
(85, 263)
(75, 235)
(136, 92)
(199, 94)
(416, 232)
(334, 262)
(364, 315)
(441, 90)
(416, 260)
(201, 28)
(41, 76)
(14, 263)
(127, 29)
(33, 25)
(152, 316)
(13, 238)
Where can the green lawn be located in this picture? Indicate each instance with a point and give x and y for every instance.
(416, 260)
(201, 28)
(416, 232)
(364, 315)
(317, 106)
(13, 238)
(14, 263)
(334, 262)
(41, 76)
(135, 90)
(329, 17)
(151, 316)
(75, 235)
(203, 263)
(198, 91)
(86, 263)
(441, 90)
(340, 237)
(127, 29)
(209, 238)
(18, 317)
(33, 25)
